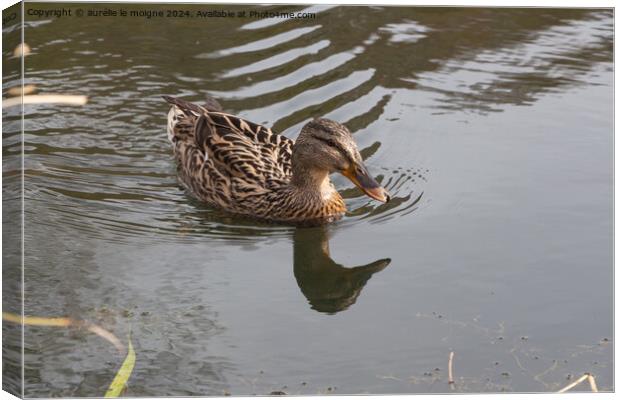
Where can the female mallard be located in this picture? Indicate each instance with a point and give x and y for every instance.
(247, 169)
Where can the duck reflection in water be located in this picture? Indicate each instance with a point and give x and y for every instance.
(329, 287)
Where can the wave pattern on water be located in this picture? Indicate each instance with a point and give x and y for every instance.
(106, 168)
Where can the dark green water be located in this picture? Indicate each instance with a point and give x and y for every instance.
(492, 129)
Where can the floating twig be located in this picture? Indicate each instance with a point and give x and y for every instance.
(592, 383)
(77, 100)
(578, 381)
(37, 321)
(65, 322)
(22, 49)
(107, 335)
(450, 376)
(17, 90)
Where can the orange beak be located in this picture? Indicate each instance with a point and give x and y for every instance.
(358, 174)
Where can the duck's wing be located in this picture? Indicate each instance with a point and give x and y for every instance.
(246, 149)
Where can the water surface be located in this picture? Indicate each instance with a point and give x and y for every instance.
(491, 128)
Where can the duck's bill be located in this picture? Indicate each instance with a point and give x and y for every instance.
(361, 178)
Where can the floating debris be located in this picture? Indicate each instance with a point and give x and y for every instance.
(19, 90)
(65, 322)
(585, 376)
(22, 49)
(123, 374)
(450, 376)
(76, 100)
(36, 321)
(107, 335)
(592, 383)
(119, 383)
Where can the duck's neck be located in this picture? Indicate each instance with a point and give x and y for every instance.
(312, 182)
(311, 196)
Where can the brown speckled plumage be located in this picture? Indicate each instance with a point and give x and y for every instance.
(247, 169)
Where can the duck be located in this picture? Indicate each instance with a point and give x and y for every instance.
(246, 169)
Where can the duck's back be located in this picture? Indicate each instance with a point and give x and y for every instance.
(226, 160)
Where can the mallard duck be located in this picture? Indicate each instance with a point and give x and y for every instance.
(245, 168)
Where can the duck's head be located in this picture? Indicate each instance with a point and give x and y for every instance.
(325, 146)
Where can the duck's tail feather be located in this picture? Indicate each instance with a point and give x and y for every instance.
(184, 105)
(210, 104)
(182, 112)
(175, 116)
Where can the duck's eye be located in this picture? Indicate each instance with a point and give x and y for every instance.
(329, 142)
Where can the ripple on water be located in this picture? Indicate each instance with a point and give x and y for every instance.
(115, 184)
(144, 207)
(106, 168)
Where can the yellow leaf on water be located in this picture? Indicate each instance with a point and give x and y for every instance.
(122, 376)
